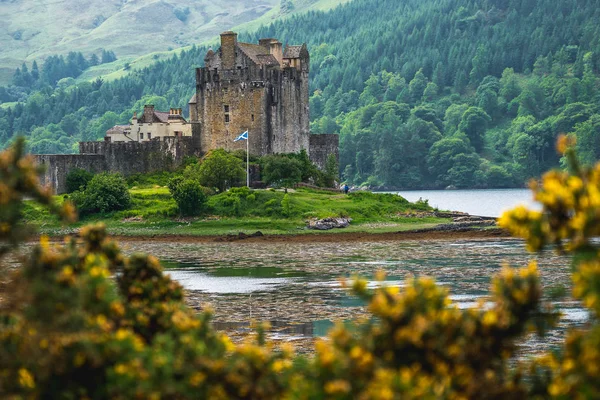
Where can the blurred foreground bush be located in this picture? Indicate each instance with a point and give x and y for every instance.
(68, 330)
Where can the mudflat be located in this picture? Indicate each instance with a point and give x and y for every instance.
(422, 234)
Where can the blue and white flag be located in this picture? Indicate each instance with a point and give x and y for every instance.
(243, 136)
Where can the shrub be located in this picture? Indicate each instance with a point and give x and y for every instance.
(281, 170)
(104, 193)
(77, 179)
(189, 196)
(218, 169)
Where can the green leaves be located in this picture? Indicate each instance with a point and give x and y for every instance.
(188, 195)
(104, 193)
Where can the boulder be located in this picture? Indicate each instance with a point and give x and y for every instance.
(328, 223)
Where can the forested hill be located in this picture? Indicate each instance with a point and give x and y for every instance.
(424, 93)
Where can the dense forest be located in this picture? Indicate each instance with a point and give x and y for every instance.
(424, 93)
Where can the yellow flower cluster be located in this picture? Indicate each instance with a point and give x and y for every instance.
(570, 208)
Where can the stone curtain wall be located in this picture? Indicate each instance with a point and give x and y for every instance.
(127, 158)
(321, 146)
(58, 166)
(130, 158)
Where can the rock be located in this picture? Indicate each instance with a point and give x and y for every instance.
(328, 223)
(468, 218)
(239, 236)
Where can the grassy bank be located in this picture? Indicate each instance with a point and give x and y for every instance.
(154, 212)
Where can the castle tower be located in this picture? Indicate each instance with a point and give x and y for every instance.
(262, 88)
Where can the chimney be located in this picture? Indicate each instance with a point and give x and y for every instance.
(148, 113)
(134, 115)
(276, 49)
(228, 46)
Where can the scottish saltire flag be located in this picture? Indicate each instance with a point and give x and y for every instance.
(243, 136)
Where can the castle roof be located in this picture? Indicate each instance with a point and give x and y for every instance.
(118, 129)
(253, 51)
(292, 51)
(268, 52)
(150, 115)
(267, 59)
(193, 100)
(160, 116)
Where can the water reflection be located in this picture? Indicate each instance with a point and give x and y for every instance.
(195, 280)
(296, 285)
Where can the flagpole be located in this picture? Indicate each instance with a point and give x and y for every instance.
(248, 160)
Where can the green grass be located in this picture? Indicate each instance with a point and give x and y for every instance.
(154, 212)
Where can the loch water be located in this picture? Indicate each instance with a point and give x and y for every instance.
(481, 202)
(295, 286)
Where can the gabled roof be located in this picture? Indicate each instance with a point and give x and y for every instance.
(118, 129)
(253, 51)
(161, 116)
(157, 116)
(292, 52)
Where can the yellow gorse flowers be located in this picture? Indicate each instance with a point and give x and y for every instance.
(74, 328)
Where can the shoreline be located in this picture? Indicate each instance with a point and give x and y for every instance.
(329, 237)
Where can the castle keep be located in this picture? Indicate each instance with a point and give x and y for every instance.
(260, 88)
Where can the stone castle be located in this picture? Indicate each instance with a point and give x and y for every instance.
(260, 88)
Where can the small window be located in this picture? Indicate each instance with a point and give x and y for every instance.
(141, 135)
(226, 109)
(226, 118)
(252, 117)
(149, 135)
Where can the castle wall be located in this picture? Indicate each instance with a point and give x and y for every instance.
(58, 167)
(273, 109)
(127, 158)
(290, 118)
(321, 146)
(130, 158)
(245, 100)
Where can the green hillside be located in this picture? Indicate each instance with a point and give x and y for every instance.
(424, 93)
(35, 30)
